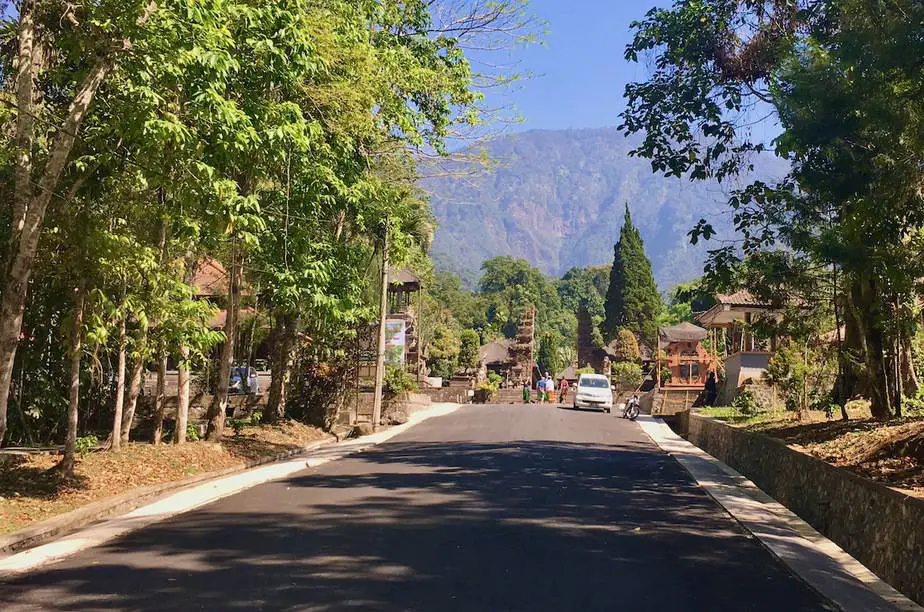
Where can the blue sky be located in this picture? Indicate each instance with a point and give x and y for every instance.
(581, 73)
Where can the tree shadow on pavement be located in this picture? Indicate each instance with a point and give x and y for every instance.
(441, 526)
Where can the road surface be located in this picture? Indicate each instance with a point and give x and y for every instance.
(490, 508)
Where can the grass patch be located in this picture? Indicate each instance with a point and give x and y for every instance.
(734, 416)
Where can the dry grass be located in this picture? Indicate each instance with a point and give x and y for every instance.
(890, 452)
(32, 491)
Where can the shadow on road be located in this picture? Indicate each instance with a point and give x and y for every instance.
(441, 526)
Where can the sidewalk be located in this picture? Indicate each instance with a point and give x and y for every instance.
(190, 498)
(808, 554)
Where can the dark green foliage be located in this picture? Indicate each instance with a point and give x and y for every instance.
(626, 348)
(443, 351)
(470, 342)
(585, 288)
(845, 80)
(632, 300)
(746, 403)
(86, 443)
(549, 357)
(508, 286)
(398, 381)
(626, 376)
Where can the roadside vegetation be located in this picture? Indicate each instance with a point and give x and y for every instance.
(32, 490)
(835, 245)
(273, 143)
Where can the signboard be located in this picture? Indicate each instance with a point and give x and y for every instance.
(394, 342)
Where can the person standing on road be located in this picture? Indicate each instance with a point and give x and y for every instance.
(527, 396)
(549, 387)
(563, 390)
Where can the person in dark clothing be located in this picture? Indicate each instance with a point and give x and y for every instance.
(712, 389)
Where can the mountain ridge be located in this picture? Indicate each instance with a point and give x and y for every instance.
(557, 200)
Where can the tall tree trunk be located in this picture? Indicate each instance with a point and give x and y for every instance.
(182, 397)
(157, 431)
(160, 400)
(282, 360)
(841, 390)
(30, 205)
(910, 384)
(864, 300)
(216, 413)
(115, 442)
(134, 387)
(76, 353)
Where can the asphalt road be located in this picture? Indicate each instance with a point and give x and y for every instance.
(491, 508)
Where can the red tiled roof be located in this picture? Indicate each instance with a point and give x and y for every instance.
(210, 279)
(739, 298)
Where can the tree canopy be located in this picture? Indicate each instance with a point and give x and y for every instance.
(632, 298)
(839, 77)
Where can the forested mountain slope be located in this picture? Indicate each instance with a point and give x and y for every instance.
(557, 199)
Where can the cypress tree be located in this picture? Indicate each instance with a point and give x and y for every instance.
(632, 300)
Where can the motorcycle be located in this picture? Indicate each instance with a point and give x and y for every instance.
(631, 411)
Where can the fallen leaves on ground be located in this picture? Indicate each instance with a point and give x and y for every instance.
(890, 452)
(31, 490)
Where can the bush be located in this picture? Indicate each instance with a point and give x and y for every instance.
(238, 425)
(665, 375)
(85, 444)
(913, 405)
(398, 381)
(470, 344)
(746, 403)
(256, 417)
(626, 347)
(192, 433)
(587, 370)
(627, 375)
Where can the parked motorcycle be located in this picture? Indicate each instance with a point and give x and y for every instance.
(632, 409)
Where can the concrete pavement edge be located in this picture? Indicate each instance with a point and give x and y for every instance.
(172, 501)
(819, 562)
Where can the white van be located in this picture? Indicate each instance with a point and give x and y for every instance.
(594, 391)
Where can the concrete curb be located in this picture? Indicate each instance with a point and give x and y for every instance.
(820, 563)
(187, 497)
(63, 524)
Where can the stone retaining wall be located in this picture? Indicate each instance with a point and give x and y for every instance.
(450, 395)
(881, 527)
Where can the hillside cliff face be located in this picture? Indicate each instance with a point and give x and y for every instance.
(557, 199)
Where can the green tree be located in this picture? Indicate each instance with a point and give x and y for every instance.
(548, 357)
(470, 343)
(443, 352)
(632, 299)
(626, 348)
(626, 376)
(585, 288)
(840, 79)
(509, 285)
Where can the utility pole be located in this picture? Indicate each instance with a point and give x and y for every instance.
(380, 356)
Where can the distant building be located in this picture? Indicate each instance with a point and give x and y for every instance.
(681, 352)
(743, 355)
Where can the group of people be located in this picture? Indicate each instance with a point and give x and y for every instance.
(545, 388)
